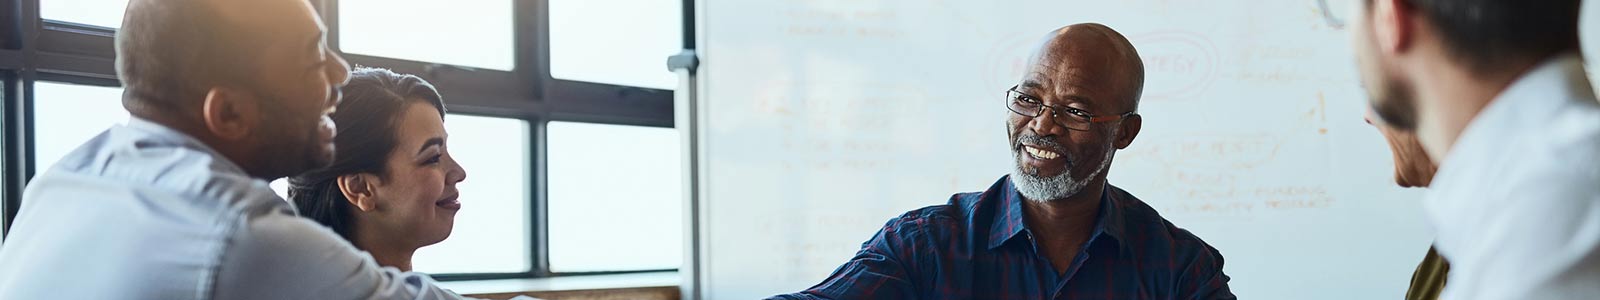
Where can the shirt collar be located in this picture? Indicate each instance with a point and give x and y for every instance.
(1008, 222)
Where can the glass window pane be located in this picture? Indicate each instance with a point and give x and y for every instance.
(66, 115)
(103, 13)
(473, 33)
(592, 40)
(615, 197)
(491, 232)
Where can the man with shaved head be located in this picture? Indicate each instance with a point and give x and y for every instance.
(1054, 228)
(224, 95)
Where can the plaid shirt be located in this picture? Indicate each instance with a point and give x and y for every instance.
(978, 247)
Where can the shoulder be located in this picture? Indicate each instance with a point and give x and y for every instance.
(1572, 129)
(1141, 221)
(1552, 157)
(156, 161)
(1531, 137)
(934, 219)
(1553, 180)
(935, 225)
(959, 211)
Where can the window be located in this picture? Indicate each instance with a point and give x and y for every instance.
(615, 197)
(471, 33)
(66, 115)
(588, 43)
(103, 13)
(491, 233)
(545, 97)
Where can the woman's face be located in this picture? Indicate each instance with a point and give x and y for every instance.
(415, 201)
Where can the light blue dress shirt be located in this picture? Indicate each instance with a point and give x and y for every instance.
(146, 212)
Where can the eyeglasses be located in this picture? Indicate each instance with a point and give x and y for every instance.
(1334, 12)
(1076, 119)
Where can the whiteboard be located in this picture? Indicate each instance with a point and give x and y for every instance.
(823, 119)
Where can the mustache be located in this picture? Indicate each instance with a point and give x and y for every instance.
(1046, 143)
(1039, 142)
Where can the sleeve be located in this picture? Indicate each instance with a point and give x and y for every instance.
(880, 270)
(282, 256)
(1202, 278)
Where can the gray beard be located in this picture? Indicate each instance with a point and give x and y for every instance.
(1044, 189)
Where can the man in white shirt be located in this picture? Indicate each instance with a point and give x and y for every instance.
(1496, 92)
(224, 94)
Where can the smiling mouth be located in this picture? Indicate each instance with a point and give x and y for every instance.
(450, 202)
(1040, 154)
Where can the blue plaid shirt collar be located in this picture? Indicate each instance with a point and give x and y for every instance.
(1008, 222)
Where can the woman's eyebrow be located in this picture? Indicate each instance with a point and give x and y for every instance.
(431, 142)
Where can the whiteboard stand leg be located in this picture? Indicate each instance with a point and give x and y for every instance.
(686, 118)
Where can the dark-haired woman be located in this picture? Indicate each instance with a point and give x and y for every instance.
(391, 188)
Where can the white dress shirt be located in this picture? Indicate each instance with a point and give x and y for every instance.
(1516, 202)
(145, 212)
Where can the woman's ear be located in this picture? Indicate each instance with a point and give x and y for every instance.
(359, 189)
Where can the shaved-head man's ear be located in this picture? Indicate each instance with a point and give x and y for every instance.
(1129, 129)
(230, 113)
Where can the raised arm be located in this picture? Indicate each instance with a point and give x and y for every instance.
(881, 270)
(280, 256)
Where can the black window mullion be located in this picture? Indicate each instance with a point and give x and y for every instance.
(21, 26)
(595, 102)
(611, 104)
(688, 24)
(11, 59)
(531, 43)
(589, 102)
(329, 9)
(505, 90)
(533, 57)
(16, 170)
(460, 85)
(540, 189)
(11, 30)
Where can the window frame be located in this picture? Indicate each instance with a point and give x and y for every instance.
(33, 49)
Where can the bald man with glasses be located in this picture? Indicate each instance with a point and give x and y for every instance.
(1054, 228)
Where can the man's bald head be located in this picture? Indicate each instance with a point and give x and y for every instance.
(252, 79)
(1074, 107)
(171, 52)
(1099, 47)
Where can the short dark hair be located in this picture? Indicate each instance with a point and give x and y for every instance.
(1487, 34)
(170, 52)
(367, 120)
